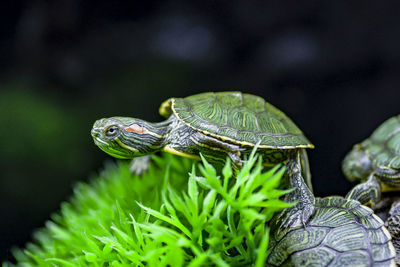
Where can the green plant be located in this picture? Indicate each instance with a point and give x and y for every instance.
(166, 217)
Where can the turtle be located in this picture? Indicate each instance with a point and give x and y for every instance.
(376, 163)
(340, 232)
(217, 125)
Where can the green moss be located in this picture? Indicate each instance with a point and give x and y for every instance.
(176, 214)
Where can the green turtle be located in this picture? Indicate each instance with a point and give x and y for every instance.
(216, 125)
(340, 232)
(376, 163)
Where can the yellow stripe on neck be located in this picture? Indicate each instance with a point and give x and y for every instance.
(171, 150)
(126, 147)
(387, 188)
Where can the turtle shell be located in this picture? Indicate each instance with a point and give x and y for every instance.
(238, 118)
(341, 232)
(383, 147)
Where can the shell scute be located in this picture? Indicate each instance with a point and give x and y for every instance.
(352, 258)
(381, 253)
(347, 237)
(287, 141)
(271, 125)
(268, 139)
(362, 211)
(331, 218)
(380, 235)
(372, 223)
(233, 100)
(226, 131)
(205, 108)
(298, 240)
(254, 103)
(313, 257)
(350, 205)
(249, 136)
(242, 121)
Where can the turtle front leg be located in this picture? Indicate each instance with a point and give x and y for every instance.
(368, 192)
(300, 213)
(214, 150)
(305, 167)
(140, 165)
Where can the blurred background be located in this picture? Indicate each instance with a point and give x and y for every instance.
(332, 66)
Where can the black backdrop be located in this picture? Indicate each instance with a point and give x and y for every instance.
(332, 66)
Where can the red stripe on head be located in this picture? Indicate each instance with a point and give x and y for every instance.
(136, 129)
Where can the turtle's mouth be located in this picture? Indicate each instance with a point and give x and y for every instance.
(109, 149)
(100, 142)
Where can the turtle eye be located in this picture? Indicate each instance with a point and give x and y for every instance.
(112, 131)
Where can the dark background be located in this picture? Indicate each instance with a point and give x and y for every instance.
(332, 66)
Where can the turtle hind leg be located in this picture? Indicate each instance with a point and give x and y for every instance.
(367, 193)
(140, 165)
(301, 212)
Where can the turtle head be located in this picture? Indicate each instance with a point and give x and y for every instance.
(126, 138)
(356, 165)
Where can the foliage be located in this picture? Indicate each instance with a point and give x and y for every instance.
(165, 217)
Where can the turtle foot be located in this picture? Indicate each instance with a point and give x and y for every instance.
(297, 216)
(140, 165)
